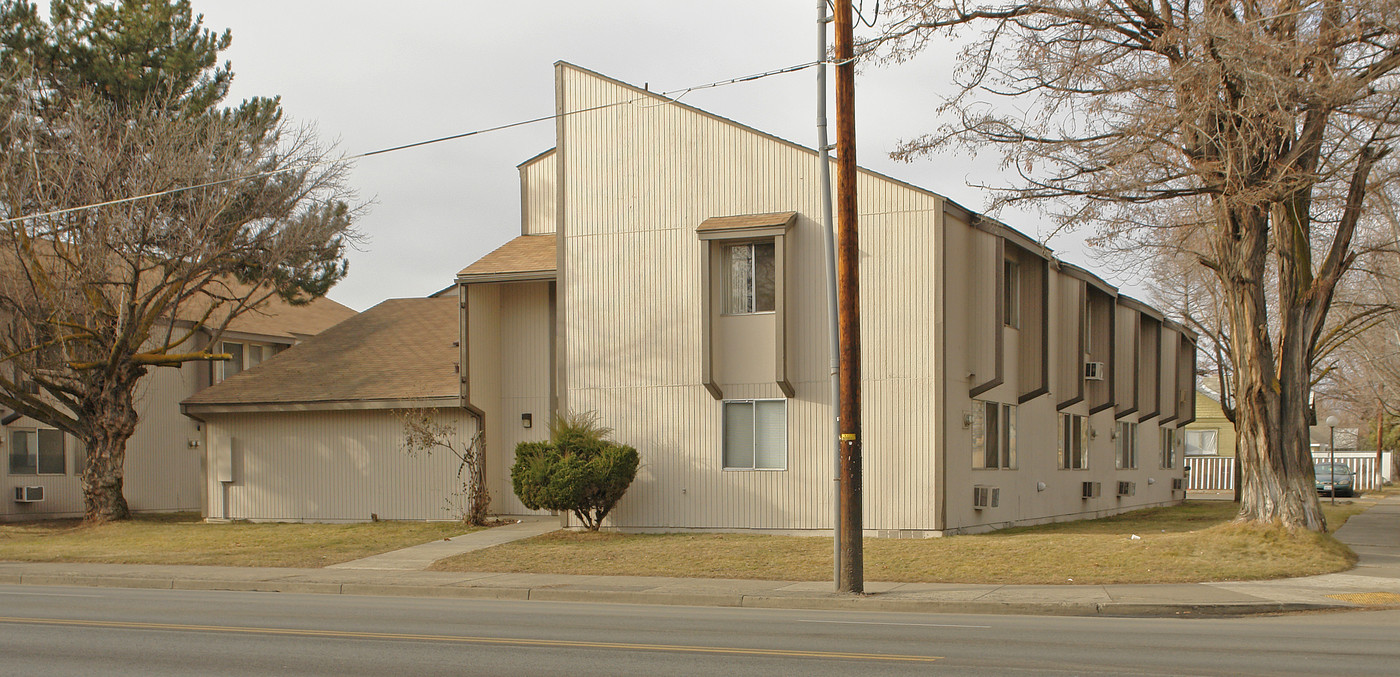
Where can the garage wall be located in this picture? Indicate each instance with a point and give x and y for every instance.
(333, 466)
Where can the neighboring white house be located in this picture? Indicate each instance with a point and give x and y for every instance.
(669, 275)
(163, 469)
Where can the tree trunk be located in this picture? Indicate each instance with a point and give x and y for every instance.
(1271, 389)
(479, 499)
(103, 500)
(110, 417)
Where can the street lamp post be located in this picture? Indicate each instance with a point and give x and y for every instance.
(1332, 454)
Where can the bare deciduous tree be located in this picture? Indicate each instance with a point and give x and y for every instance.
(1363, 376)
(1276, 114)
(423, 432)
(93, 298)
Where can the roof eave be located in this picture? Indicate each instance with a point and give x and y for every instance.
(521, 276)
(199, 409)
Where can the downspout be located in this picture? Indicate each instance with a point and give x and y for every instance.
(463, 353)
(829, 240)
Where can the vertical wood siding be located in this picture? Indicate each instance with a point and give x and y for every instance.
(1128, 360)
(1167, 389)
(524, 382)
(1186, 380)
(538, 195)
(639, 177)
(1069, 325)
(162, 469)
(1030, 350)
(1100, 339)
(1150, 356)
(332, 466)
(484, 365)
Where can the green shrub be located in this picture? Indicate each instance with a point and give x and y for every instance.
(578, 469)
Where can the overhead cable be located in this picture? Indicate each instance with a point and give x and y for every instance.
(673, 95)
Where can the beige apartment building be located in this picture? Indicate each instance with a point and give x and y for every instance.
(669, 275)
(164, 457)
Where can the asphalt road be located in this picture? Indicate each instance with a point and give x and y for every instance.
(66, 631)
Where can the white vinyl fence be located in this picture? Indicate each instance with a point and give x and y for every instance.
(1218, 472)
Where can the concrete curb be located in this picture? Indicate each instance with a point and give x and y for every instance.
(884, 602)
(1210, 600)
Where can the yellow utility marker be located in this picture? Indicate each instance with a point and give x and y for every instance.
(1369, 598)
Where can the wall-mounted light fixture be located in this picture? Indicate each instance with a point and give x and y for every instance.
(526, 421)
(967, 419)
(1040, 486)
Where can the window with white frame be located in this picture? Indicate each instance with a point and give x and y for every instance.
(1011, 293)
(1074, 442)
(37, 452)
(1203, 442)
(1126, 446)
(993, 435)
(755, 434)
(1169, 439)
(751, 278)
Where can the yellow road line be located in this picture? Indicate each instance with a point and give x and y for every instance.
(507, 641)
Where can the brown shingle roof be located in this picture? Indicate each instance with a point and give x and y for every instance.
(279, 318)
(272, 317)
(528, 257)
(399, 349)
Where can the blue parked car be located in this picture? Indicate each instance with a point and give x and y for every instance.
(1335, 479)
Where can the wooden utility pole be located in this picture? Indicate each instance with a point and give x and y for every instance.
(852, 573)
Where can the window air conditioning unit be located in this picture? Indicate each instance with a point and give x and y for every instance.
(29, 494)
(1092, 489)
(1178, 484)
(1127, 488)
(1093, 371)
(986, 497)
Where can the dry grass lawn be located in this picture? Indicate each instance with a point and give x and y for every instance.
(1189, 543)
(183, 539)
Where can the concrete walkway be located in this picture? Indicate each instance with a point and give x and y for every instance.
(418, 557)
(1374, 583)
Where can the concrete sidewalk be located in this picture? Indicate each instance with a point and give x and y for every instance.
(418, 557)
(1375, 582)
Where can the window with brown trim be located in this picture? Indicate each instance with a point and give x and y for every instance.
(993, 435)
(1074, 442)
(750, 278)
(1126, 446)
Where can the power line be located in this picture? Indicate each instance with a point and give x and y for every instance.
(860, 14)
(674, 95)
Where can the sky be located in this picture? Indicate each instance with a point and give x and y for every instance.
(371, 75)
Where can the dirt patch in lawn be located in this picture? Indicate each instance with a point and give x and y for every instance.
(183, 538)
(1190, 543)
